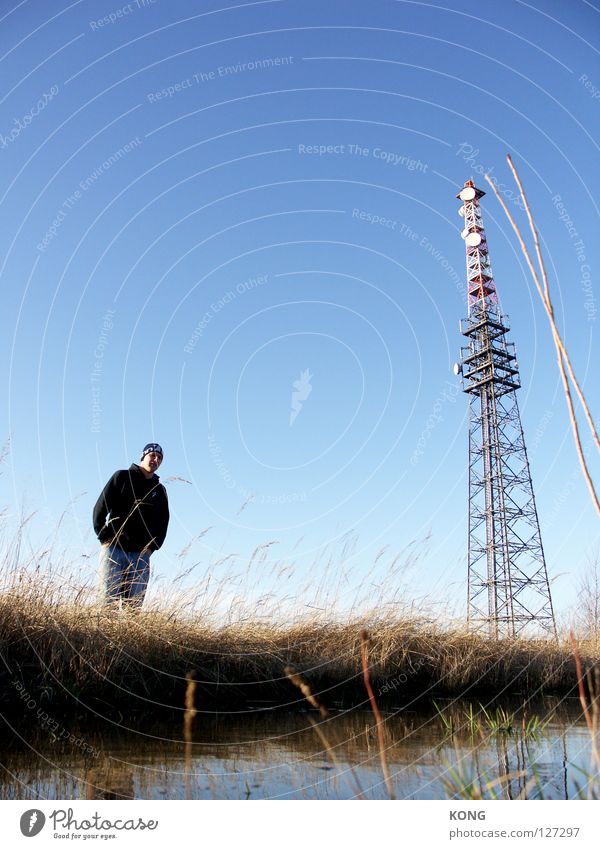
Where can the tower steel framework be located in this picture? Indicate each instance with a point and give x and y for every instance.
(508, 587)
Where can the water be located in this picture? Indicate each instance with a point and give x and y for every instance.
(272, 755)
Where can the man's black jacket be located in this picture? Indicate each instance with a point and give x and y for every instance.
(138, 508)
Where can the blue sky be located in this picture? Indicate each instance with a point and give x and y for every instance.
(206, 203)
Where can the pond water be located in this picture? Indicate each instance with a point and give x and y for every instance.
(266, 754)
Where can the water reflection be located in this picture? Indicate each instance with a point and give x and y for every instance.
(109, 781)
(276, 755)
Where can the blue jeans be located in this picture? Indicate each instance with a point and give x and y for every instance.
(123, 576)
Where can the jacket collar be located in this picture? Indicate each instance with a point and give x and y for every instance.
(135, 468)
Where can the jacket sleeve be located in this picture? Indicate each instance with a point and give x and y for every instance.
(162, 523)
(105, 503)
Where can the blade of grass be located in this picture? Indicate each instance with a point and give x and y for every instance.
(378, 718)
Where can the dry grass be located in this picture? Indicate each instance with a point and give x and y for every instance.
(74, 656)
(61, 650)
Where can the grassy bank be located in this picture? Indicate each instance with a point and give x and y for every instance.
(73, 657)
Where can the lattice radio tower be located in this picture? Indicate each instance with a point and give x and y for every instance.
(508, 588)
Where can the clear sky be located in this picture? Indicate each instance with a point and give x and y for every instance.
(232, 228)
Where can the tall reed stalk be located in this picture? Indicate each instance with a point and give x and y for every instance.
(563, 358)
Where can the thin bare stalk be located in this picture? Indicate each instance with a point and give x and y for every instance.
(378, 718)
(590, 718)
(330, 751)
(188, 720)
(548, 302)
(562, 356)
(304, 687)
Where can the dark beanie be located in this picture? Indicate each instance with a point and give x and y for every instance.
(151, 446)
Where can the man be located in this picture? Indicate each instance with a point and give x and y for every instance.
(131, 518)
